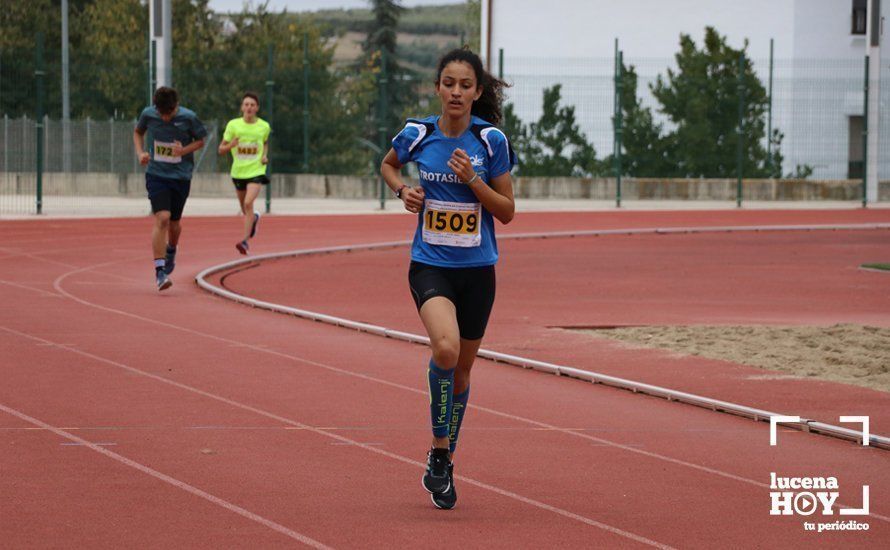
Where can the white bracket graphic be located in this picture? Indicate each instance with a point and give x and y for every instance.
(864, 421)
(773, 420)
(860, 511)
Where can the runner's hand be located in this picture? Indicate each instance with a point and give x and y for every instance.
(461, 165)
(412, 197)
(144, 158)
(265, 159)
(177, 149)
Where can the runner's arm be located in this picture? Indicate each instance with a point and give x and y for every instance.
(139, 146)
(498, 198)
(390, 169)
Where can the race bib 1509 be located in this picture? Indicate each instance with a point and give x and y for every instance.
(452, 223)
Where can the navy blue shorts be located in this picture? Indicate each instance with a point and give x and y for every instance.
(470, 289)
(167, 194)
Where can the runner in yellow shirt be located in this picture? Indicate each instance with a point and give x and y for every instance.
(247, 138)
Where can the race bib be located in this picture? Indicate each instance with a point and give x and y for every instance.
(164, 153)
(452, 223)
(247, 151)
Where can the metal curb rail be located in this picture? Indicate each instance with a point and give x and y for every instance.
(806, 425)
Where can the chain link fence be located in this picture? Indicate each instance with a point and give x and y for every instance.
(816, 104)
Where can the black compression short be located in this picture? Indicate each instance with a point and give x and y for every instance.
(241, 184)
(470, 289)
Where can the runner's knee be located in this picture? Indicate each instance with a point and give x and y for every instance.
(445, 352)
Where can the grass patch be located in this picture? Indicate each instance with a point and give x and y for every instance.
(884, 267)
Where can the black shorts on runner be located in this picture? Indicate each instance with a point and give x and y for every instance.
(167, 194)
(241, 184)
(470, 289)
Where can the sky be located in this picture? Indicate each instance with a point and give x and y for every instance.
(311, 5)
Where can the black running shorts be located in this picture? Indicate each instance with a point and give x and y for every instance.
(167, 194)
(470, 289)
(241, 184)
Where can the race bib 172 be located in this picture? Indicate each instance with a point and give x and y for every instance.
(164, 153)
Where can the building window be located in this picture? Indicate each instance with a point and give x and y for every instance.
(855, 164)
(860, 11)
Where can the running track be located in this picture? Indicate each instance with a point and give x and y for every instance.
(130, 418)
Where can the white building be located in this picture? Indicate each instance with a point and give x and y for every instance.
(818, 77)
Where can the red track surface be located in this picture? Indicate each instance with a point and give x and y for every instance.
(228, 426)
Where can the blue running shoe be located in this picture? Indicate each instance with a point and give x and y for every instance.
(170, 261)
(446, 500)
(435, 479)
(164, 281)
(256, 221)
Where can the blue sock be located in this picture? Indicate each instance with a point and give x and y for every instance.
(441, 383)
(459, 408)
(160, 263)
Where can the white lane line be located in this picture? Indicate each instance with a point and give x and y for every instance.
(338, 438)
(167, 479)
(727, 475)
(32, 289)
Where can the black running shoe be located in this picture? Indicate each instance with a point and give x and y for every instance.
(243, 247)
(256, 221)
(446, 500)
(435, 479)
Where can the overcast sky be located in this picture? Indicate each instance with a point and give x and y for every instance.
(306, 5)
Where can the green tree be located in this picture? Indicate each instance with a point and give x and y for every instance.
(110, 70)
(554, 145)
(645, 152)
(473, 22)
(701, 100)
(400, 90)
(19, 24)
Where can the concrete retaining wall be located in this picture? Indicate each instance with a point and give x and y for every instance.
(353, 187)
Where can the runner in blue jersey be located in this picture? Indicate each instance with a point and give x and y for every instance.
(174, 133)
(464, 163)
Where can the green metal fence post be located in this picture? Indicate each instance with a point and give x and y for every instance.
(270, 91)
(741, 130)
(40, 73)
(865, 136)
(769, 115)
(305, 102)
(500, 63)
(381, 121)
(619, 130)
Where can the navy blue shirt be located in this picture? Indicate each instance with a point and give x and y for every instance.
(184, 127)
(454, 229)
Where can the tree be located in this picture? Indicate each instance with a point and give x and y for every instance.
(645, 153)
(400, 90)
(554, 145)
(473, 19)
(701, 100)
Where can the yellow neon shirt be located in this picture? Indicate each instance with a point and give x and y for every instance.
(247, 156)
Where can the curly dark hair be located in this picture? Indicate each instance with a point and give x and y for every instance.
(488, 106)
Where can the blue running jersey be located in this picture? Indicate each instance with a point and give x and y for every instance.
(453, 229)
(184, 127)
